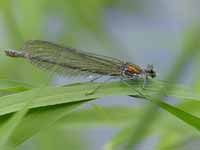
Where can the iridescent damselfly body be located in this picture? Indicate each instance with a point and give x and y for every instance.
(73, 62)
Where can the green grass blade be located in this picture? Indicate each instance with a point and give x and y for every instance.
(8, 87)
(67, 94)
(40, 119)
(7, 129)
(114, 116)
(190, 49)
(184, 116)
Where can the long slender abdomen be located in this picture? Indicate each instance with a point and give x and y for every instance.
(14, 53)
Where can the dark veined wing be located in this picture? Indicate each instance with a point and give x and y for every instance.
(69, 61)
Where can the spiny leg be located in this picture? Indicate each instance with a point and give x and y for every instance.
(100, 85)
(145, 81)
(136, 77)
(96, 78)
(141, 95)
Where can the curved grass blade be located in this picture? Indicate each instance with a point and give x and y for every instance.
(184, 116)
(41, 119)
(8, 87)
(7, 129)
(31, 124)
(190, 49)
(67, 96)
(114, 116)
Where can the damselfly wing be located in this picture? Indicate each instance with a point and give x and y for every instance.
(72, 62)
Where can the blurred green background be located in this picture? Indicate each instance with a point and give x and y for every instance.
(140, 31)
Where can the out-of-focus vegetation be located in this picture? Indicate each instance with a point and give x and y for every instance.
(65, 22)
(57, 118)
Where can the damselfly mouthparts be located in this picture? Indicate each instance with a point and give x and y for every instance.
(72, 62)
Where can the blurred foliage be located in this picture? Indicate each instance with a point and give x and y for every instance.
(76, 23)
(47, 111)
(54, 138)
(63, 21)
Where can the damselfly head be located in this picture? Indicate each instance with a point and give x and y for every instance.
(149, 71)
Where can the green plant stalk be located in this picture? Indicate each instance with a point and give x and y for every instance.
(14, 32)
(189, 51)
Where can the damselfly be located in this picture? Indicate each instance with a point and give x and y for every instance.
(73, 62)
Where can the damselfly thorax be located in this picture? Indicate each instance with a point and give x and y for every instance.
(69, 61)
(133, 71)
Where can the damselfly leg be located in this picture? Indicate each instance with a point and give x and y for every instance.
(96, 78)
(100, 85)
(140, 94)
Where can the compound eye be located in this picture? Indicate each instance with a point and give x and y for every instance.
(153, 74)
